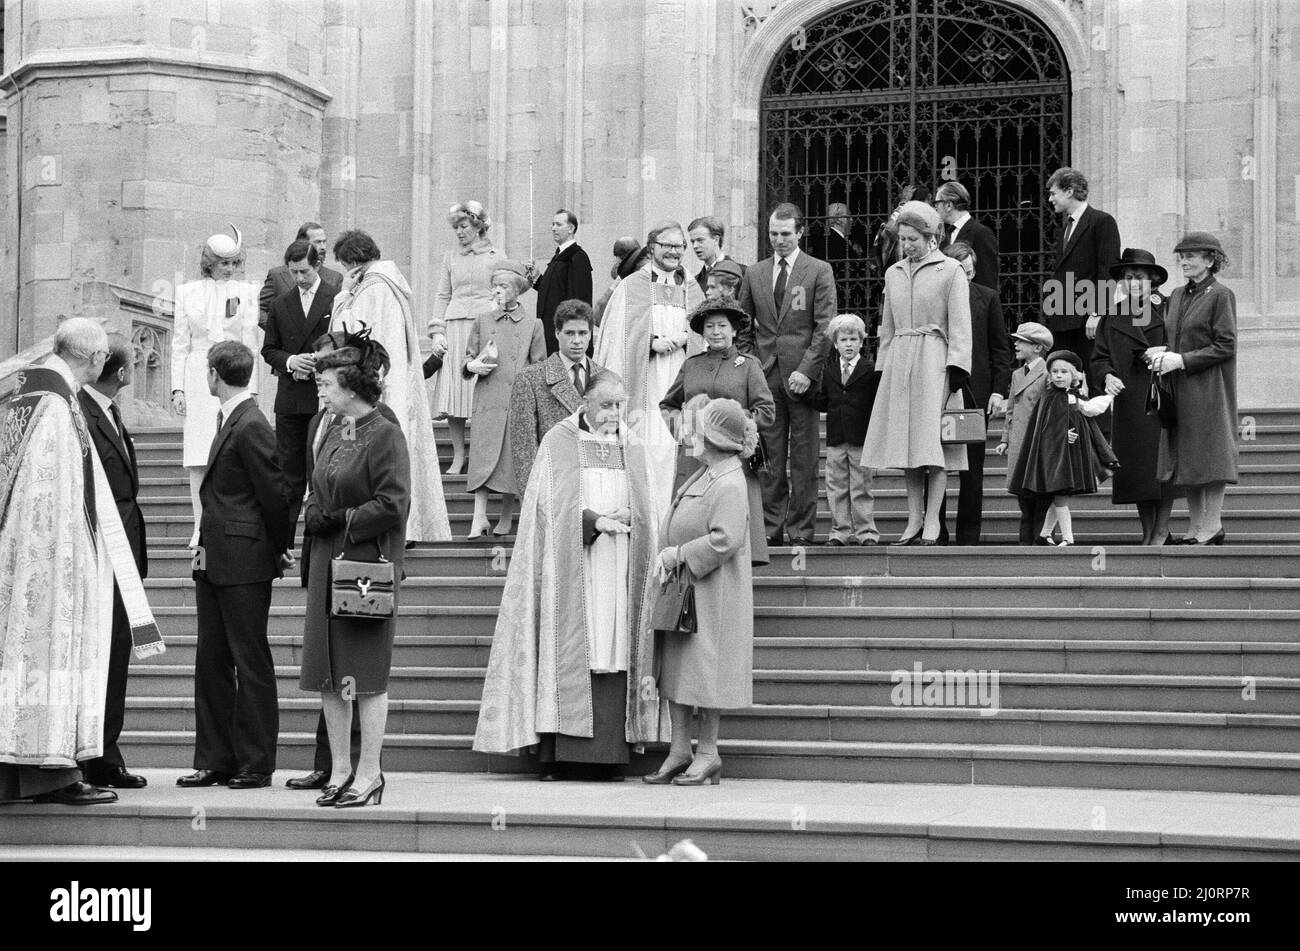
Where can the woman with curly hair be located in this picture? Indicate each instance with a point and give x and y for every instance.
(707, 534)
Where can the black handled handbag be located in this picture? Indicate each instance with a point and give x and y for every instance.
(1160, 400)
(361, 590)
(674, 608)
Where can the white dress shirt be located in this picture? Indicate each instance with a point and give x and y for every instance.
(105, 404)
(776, 266)
(308, 296)
(229, 405)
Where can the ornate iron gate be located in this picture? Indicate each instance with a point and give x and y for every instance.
(884, 93)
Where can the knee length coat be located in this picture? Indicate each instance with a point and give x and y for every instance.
(925, 327)
(1201, 326)
(519, 342)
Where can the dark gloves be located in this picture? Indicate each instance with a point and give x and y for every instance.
(957, 378)
(321, 524)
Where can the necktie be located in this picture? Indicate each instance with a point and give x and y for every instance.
(577, 379)
(779, 291)
(221, 420)
(848, 369)
(1069, 230)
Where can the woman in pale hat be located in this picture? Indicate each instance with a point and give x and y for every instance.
(464, 292)
(214, 308)
(1199, 452)
(707, 532)
(1133, 323)
(721, 371)
(924, 358)
(501, 344)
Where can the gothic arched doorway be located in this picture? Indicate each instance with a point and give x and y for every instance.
(883, 93)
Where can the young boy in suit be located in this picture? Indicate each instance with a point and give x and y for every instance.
(1032, 341)
(846, 394)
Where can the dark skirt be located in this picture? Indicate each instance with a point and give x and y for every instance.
(1049, 464)
(335, 650)
(608, 740)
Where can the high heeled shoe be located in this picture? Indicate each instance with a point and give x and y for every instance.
(456, 467)
(710, 777)
(351, 797)
(666, 774)
(478, 531)
(906, 540)
(1215, 539)
(509, 527)
(330, 794)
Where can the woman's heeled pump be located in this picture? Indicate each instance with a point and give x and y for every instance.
(352, 797)
(710, 777)
(666, 774)
(906, 540)
(1216, 539)
(330, 794)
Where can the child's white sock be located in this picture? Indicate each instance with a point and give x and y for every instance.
(1049, 522)
(1063, 516)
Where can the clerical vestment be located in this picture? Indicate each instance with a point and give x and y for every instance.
(640, 309)
(570, 610)
(59, 551)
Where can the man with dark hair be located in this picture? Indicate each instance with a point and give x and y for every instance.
(547, 392)
(567, 276)
(705, 235)
(1077, 291)
(116, 451)
(244, 530)
(297, 318)
(790, 298)
(952, 201)
(279, 281)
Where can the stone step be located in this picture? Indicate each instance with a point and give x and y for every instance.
(972, 566)
(1119, 624)
(814, 723)
(1102, 591)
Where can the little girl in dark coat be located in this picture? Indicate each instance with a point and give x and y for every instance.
(1064, 453)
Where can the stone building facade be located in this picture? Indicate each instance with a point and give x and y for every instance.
(135, 128)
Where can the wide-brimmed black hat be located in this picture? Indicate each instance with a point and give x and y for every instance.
(725, 306)
(627, 263)
(1198, 241)
(1136, 257)
(1069, 356)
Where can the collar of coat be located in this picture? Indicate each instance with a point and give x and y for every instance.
(481, 246)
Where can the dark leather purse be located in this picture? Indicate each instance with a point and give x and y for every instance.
(1160, 401)
(361, 590)
(960, 426)
(674, 608)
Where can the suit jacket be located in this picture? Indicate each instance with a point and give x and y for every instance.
(567, 276)
(289, 332)
(278, 280)
(702, 275)
(847, 406)
(1026, 390)
(117, 453)
(245, 525)
(1087, 259)
(542, 395)
(991, 357)
(985, 245)
(788, 335)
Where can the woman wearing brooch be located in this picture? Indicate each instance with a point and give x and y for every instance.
(1132, 324)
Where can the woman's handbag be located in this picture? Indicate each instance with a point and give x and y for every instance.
(757, 463)
(1160, 401)
(959, 426)
(674, 609)
(361, 590)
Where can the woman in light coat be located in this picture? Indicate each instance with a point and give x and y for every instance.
(707, 531)
(215, 308)
(924, 358)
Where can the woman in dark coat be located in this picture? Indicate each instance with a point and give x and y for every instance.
(1131, 326)
(720, 372)
(1199, 453)
(357, 506)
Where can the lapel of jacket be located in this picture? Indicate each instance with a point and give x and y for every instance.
(1023, 379)
(1085, 222)
(766, 300)
(860, 369)
(560, 383)
(227, 428)
(796, 275)
(117, 440)
(321, 305)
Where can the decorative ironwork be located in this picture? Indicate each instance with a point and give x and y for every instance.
(152, 345)
(884, 93)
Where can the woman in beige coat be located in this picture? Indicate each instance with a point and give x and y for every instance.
(707, 531)
(924, 358)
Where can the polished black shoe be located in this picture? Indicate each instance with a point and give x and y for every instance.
(78, 794)
(1215, 539)
(203, 777)
(909, 540)
(330, 794)
(774, 541)
(805, 542)
(249, 780)
(118, 778)
(313, 780)
(549, 774)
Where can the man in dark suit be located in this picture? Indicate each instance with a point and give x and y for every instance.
(117, 452)
(279, 281)
(298, 317)
(1077, 291)
(567, 276)
(990, 381)
(706, 235)
(790, 299)
(243, 533)
(952, 201)
(547, 392)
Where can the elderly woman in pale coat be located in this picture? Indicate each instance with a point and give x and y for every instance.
(924, 358)
(707, 531)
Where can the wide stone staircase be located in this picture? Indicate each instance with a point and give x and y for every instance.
(1116, 666)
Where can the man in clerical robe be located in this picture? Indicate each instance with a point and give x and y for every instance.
(61, 547)
(645, 338)
(571, 665)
